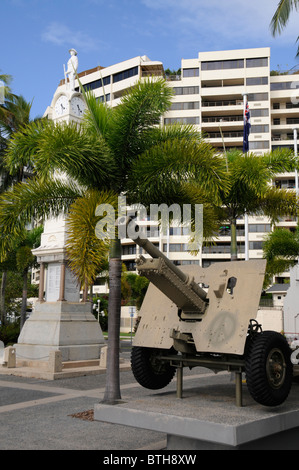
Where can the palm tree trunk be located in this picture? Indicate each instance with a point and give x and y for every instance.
(112, 391)
(24, 299)
(233, 247)
(2, 298)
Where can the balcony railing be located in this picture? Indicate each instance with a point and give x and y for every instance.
(217, 135)
(223, 119)
(173, 78)
(222, 103)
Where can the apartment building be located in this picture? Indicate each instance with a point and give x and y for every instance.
(209, 93)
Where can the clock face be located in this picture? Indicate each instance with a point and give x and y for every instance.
(78, 106)
(61, 106)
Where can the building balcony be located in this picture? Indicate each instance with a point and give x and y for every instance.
(228, 136)
(284, 128)
(219, 105)
(283, 139)
(222, 119)
(223, 90)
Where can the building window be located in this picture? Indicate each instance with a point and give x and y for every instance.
(129, 249)
(293, 120)
(285, 184)
(258, 245)
(257, 81)
(291, 105)
(222, 64)
(258, 129)
(184, 105)
(186, 90)
(259, 112)
(101, 99)
(221, 248)
(187, 73)
(258, 97)
(263, 144)
(259, 62)
(175, 247)
(117, 77)
(284, 86)
(259, 228)
(182, 120)
(96, 84)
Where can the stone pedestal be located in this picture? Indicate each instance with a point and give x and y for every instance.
(206, 418)
(68, 327)
(59, 322)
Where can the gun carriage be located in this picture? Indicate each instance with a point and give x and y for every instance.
(206, 317)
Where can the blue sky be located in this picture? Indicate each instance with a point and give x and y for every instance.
(37, 34)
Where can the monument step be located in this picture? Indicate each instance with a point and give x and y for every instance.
(82, 363)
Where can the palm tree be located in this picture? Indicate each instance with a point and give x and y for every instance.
(251, 188)
(282, 15)
(116, 151)
(14, 115)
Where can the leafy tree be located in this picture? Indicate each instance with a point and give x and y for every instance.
(138, 287)
(251, 189)
(116, 151)
(14, 116)
(282, 15)
(281, 250)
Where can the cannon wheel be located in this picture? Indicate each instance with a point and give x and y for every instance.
(148, 370)
(268, 368)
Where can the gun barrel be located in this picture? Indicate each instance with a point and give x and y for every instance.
(154, 252)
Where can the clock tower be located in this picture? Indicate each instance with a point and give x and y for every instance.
(68, 104)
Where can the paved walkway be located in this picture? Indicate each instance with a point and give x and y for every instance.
(39, 414)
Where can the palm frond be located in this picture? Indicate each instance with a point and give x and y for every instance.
(165, 167)
(67, 147)
(282, 14)
(86, 252)
(140, 110)
(23, 145)
(275, 203)
(280, 160)
(97, 117)
(81, 155)
(33, 200)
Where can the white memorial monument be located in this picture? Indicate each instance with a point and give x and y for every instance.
(60, 321)
(70, 72)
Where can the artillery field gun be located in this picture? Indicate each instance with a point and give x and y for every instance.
(207, 317)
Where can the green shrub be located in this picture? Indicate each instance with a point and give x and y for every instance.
(9, 333)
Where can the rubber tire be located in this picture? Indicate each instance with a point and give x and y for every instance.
(258, 349)
(148, 373)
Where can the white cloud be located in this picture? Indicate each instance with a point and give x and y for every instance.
(61, 35)
(231, 22)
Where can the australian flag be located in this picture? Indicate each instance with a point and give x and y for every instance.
(247, 126)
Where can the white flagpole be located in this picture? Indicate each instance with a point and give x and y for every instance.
(246, 215)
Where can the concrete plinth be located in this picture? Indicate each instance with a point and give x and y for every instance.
(207, 418)
(65, 326)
